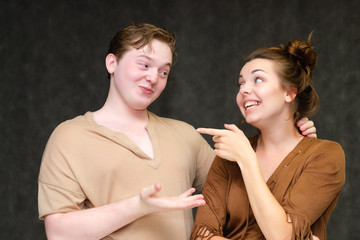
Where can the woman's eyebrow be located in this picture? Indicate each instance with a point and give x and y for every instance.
(258, 70)
(254, 71)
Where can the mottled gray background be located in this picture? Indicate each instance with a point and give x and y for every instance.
(52, 69)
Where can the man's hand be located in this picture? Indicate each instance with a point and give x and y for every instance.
(152, 202)
(307, 127)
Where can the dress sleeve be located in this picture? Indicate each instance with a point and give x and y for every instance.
(58, 189)
(316, 189)
(211, 218)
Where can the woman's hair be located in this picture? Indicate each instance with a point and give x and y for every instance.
(139, 35)
(296, 62)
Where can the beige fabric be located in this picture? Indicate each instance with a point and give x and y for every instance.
(86, 165)
(307, 184)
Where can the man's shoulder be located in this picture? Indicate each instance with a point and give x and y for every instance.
(171, 122)
(71, 127)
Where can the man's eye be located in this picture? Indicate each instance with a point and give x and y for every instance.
(143, 65)
(163, 73)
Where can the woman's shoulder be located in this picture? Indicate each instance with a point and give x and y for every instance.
(324, 153)
(324, 145)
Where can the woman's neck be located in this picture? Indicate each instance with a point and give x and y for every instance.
(279, 137)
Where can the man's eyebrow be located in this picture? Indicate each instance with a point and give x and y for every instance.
(145, 56)
(151, 59)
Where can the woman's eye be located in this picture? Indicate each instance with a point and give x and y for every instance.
(258, 80)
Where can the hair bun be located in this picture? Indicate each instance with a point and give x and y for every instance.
(302, 53)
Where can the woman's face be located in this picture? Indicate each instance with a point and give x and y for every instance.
(261, 98)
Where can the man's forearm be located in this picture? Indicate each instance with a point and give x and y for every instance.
(94, 223)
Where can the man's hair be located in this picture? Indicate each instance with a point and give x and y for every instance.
(139, 35)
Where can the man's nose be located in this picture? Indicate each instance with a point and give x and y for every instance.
(152, 75)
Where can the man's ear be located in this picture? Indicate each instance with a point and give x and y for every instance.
(290, 94)
(110, 62)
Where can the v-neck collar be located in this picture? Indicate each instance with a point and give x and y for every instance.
(288, 158)
(123, 140)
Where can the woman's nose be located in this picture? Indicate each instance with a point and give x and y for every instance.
(246, 88)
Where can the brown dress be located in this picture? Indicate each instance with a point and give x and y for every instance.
(307, 184)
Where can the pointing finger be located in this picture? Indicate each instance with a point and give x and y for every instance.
(212, 131)
(232, 127)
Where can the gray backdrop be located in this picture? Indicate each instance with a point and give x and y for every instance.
(52, 69)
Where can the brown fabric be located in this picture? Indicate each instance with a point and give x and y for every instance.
(86, 165)
(307, 184)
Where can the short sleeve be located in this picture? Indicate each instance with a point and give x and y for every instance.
(58, 189)
(317, 189)
(204, 159)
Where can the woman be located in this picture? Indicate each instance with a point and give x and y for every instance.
(278, 184)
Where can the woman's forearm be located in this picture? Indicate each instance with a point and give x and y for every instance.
(269, 214)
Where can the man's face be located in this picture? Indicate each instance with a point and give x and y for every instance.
(140, 76)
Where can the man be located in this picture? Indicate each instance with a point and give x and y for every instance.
(97, 168)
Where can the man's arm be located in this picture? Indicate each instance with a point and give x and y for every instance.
(96, 223)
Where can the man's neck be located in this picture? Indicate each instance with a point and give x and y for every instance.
(121, 118)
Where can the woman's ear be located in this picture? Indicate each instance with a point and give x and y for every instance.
(290, 94)
(110, 62)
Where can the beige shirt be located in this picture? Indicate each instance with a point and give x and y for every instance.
(307, 184)
(87, 165)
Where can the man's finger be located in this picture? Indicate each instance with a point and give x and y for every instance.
(302, 121)
(148, 191)
(187, 193)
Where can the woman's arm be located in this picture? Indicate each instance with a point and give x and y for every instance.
(233, 145)
(211, 218)
(315, 190)
(96, 223)
(269, 214)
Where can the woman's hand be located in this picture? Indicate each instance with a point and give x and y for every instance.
(231, 144)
